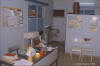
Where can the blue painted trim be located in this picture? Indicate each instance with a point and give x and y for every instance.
(38, 2)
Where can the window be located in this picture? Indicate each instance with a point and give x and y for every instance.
(87, 10)
(58, 13)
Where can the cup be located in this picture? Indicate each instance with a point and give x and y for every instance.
(42, 53)
(37, 55)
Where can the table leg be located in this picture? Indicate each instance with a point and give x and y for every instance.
(0, 64)
(57, 62)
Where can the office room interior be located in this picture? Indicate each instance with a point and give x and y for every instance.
(49, 32)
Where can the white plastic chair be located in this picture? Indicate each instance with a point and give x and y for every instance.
(76, 49)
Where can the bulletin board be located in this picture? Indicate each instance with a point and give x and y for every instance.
(12, 16)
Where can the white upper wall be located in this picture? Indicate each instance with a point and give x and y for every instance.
(48, 12)
(68, 4)
(63, 4)
(46, 1)
(85, 1)
(0, 27)
(97, 6)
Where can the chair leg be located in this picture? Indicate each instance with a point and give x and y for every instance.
(80, 57)
(71, 54)
(91, 56)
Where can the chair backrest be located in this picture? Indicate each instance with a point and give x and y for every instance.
(82, 42)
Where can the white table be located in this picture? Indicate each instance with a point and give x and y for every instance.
(47, 60)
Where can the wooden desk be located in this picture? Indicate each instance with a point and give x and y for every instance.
(47, 60)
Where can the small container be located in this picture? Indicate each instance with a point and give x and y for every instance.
(76, 7)
(37, 55)
(42, 53)
(30, 59)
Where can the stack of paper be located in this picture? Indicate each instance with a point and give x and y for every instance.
(23, 62)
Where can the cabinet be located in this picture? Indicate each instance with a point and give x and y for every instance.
(35, 20)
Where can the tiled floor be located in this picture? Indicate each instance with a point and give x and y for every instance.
(65, 60)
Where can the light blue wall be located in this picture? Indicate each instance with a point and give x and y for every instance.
(84, 32)
(0, 29)
(10, 36)
(13, 35)
(47, 12)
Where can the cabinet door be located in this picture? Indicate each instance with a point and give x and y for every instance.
(32, 25)
(40, 24)
(39, 12)
(35, 20)
(40, 19)
(32, 11)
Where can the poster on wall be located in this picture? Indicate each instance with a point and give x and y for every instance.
(93, 24)
(75, 22)
(32, 11)
(12, 16)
